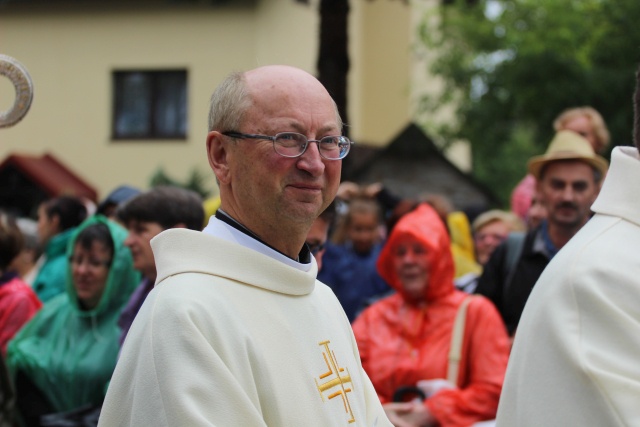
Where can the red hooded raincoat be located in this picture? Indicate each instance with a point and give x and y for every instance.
(402, 343)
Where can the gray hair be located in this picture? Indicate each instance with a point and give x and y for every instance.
(228, 104)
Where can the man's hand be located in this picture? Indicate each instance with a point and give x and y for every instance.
(409, 414)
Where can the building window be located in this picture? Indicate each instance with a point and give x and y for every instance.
(150, 104)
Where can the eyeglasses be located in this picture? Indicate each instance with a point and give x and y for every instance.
(293, 144)
(93, 263)
(314, 248)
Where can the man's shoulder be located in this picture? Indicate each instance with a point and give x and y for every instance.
(602, 241)
(198, 258)
(172, 236)
(182, 250)
(597, 258)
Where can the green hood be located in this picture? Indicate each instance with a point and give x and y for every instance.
(122, 279)
(68, 353)
(52, 276)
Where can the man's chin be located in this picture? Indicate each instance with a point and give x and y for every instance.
(303, 211)
(568, 222)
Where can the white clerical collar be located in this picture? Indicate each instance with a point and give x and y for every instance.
(224, 231)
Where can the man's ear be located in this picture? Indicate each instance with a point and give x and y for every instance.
(217, 153)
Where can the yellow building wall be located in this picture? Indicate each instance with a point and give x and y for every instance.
(380, 37)
(71, 53)
(390, 72)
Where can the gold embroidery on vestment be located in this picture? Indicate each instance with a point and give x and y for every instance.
(341, 381)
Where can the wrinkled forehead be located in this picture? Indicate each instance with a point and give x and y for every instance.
(574, 168)
(280, 91)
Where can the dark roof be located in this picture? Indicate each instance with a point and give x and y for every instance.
(411, 143)
(51, 175)
(415, 150)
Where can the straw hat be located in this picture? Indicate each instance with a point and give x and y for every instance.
(568, 145)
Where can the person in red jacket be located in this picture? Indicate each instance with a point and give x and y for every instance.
(405, 339)
(18, 302)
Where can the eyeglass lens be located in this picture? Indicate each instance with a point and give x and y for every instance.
(292, 144)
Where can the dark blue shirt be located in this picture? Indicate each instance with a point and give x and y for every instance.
(353, 277)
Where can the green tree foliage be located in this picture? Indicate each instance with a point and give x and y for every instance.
(511, 67)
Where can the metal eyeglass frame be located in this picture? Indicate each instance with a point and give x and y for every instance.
(240, 135)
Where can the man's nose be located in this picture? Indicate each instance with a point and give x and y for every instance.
(568, 193)
(311, 161)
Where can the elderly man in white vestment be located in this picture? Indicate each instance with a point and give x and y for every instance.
(237, 331)
(575, 360)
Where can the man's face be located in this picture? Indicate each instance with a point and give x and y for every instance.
(138, 241)
(317, 238)
(568, 190)
(267, 188)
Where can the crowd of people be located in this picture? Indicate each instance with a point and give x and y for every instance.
(220, 318)
(63, 320)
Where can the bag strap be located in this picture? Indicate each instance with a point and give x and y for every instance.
(457, 336)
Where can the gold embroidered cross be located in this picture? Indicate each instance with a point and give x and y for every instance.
(338, 383)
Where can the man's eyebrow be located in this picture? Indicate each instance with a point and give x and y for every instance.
(331, 128)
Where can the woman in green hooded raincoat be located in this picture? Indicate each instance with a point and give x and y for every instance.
(64, 357)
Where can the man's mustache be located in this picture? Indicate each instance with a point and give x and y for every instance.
(567, 205)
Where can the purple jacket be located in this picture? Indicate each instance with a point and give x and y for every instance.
(133, 306)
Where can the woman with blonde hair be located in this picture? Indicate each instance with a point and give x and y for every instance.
(586, 122)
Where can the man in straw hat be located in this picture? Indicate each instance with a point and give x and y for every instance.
(575, 360)
(568, 180)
